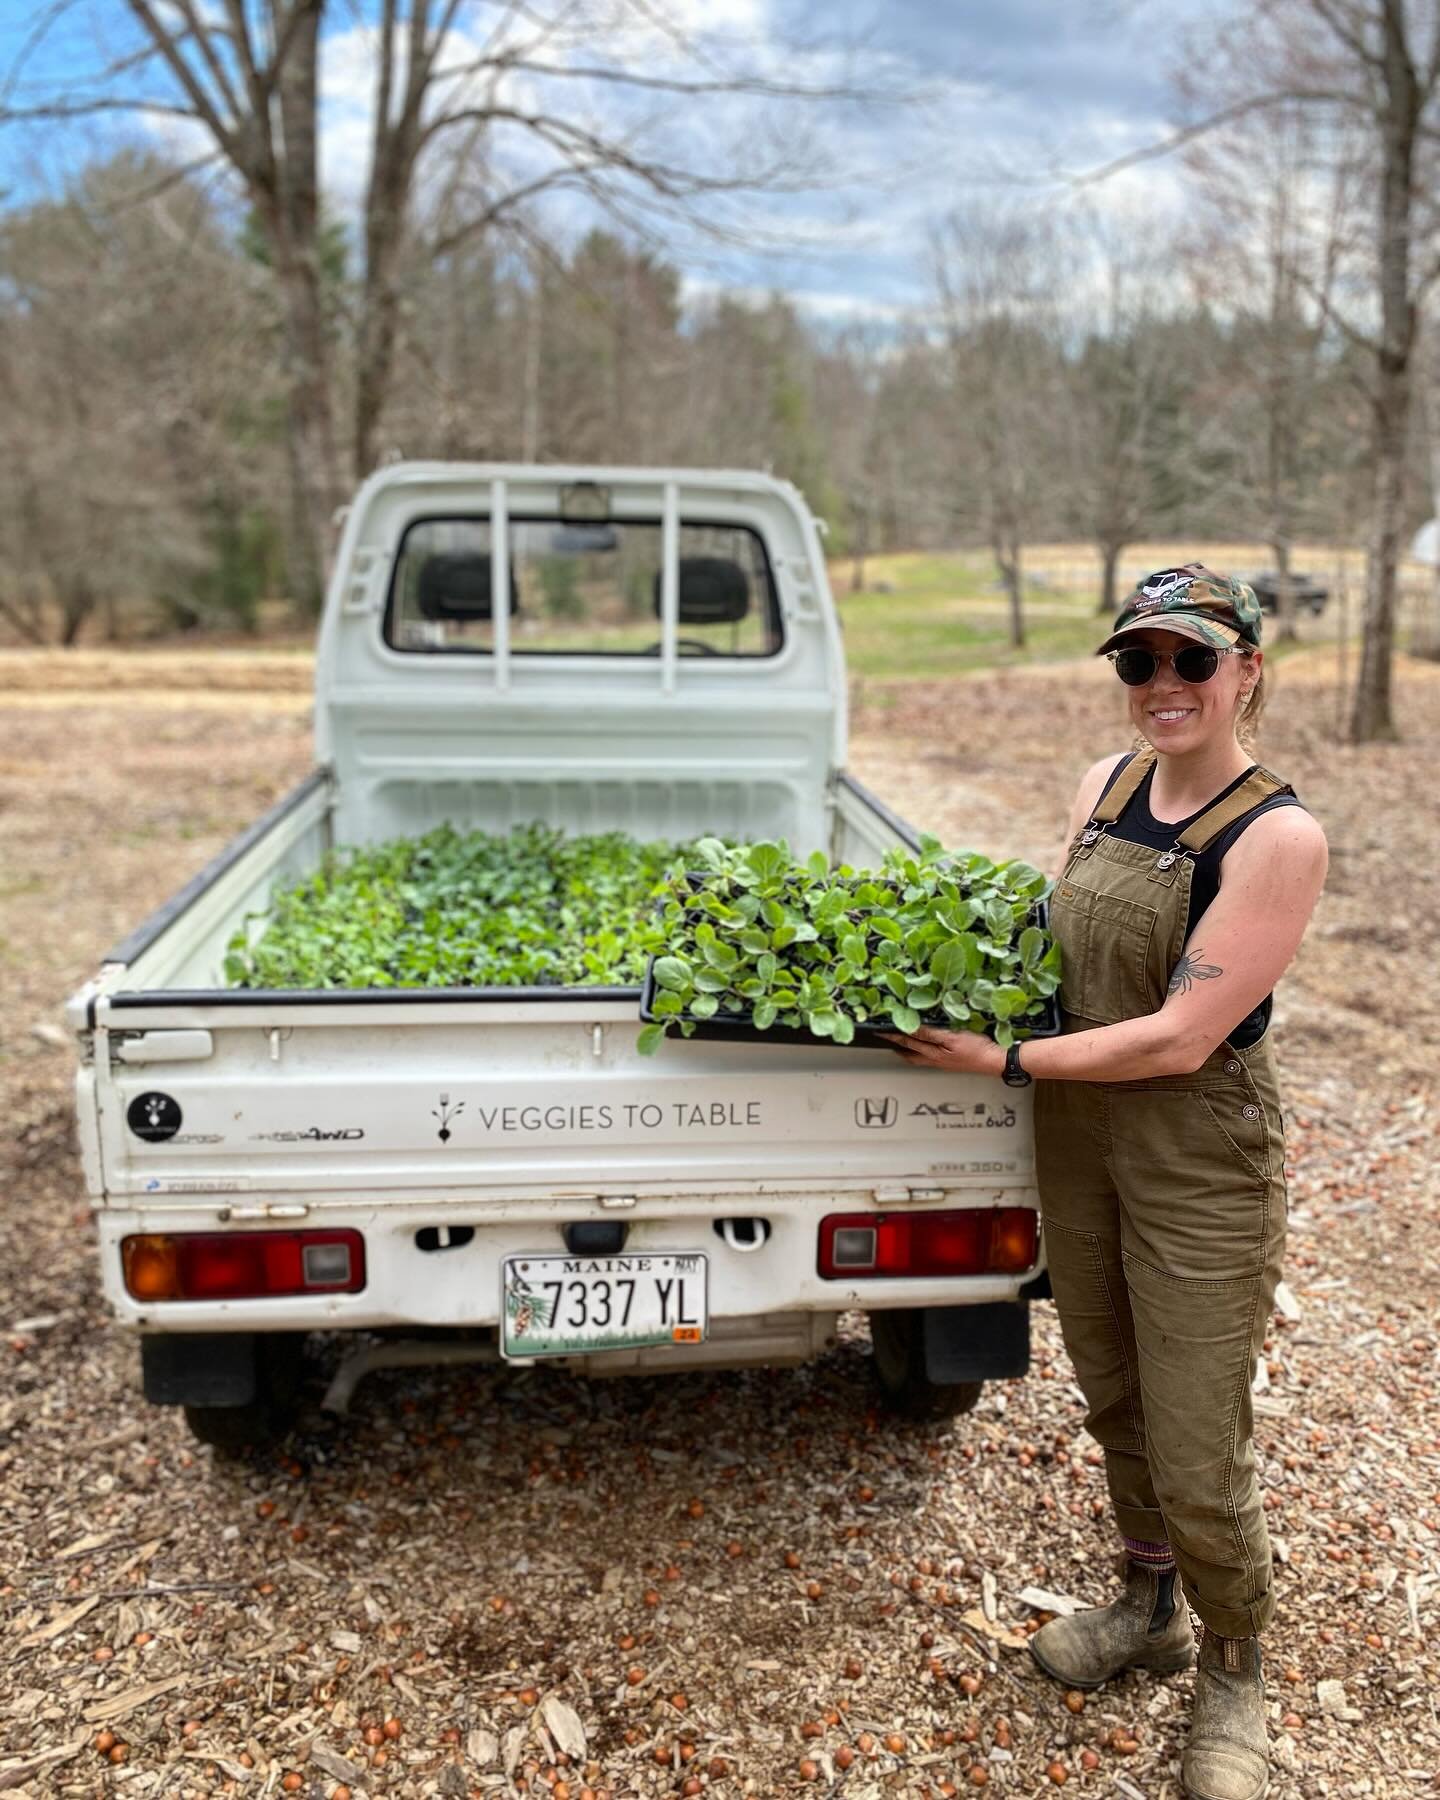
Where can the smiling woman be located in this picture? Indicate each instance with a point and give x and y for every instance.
(1190, 878)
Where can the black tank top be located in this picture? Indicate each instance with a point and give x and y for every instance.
(1138, 825)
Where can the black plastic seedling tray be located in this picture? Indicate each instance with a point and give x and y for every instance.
(736, 1028)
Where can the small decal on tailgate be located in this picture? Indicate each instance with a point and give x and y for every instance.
(154, 1117)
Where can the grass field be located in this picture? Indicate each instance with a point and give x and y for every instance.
(922, 615)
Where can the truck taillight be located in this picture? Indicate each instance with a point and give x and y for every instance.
(242, 1265)
(969, 1241)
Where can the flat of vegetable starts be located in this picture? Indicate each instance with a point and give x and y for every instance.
(575, 1305)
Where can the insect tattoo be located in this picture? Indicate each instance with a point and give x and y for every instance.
(1191, 969)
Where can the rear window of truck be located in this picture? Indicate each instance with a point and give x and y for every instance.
(589, 589)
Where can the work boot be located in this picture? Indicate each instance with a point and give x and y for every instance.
(1148, 1627)
(1228, 1756)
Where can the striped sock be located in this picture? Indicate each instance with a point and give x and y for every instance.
(1159, 1557)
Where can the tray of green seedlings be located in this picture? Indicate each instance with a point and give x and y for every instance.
(761, 947)
(530, 908)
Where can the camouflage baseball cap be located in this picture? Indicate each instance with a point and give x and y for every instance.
(1193, 601)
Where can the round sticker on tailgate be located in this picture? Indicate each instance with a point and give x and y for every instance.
(154, 1117)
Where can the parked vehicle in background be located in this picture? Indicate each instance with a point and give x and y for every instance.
(648, 651)
(1309, 594)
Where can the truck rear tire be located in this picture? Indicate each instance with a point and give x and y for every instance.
(898, 1340)
(232, 1430)
(238, 1391)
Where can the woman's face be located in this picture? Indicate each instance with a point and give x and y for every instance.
(1178, 715)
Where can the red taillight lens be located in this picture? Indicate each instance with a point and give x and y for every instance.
(969, 1241)
(242, 1265)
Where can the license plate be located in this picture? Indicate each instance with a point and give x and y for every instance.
(564, 1305)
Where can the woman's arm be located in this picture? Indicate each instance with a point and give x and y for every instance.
(1240, 947)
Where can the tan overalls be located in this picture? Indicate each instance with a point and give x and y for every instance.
(1164, 1212)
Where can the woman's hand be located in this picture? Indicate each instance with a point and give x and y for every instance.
(960, 1052)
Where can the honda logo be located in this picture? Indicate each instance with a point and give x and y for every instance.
(874, 1114)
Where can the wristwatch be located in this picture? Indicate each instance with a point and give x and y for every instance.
(1014, 1075)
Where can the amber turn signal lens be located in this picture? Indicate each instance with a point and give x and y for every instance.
(152, 1267)
(1012, 1240)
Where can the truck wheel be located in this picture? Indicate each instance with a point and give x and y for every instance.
(232, 1430)
(898, 1338)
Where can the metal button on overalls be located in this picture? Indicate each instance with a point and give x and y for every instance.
(1164, 1210)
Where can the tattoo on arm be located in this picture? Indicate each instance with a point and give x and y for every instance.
(1191, 969)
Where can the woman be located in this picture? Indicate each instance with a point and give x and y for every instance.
(1190, 878)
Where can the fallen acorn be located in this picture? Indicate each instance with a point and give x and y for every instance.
(635, 1676)
(895, 1743)
(854, 1668)
(979, 1775)
(1075, 1700)
(812, 1729)
(809, 1769)
(104, 1742)
(1058, 1773)
(844, 1756)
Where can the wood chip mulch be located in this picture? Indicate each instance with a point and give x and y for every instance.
(524, 1584)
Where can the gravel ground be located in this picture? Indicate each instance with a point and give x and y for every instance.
(516, 1583)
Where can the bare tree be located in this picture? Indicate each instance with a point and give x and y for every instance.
(501, 116)
(995, 279)
(129, 338)
(1369, 73)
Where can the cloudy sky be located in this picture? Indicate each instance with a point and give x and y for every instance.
(988, 97)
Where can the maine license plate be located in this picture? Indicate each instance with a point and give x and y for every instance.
(564, 1305)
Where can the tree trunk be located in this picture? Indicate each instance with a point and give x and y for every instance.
(379, 312)
(862, 544)
(77, 602)
(1109, 579)
(292, 215)
(1426, 639)
(1009, 554)
(1371, 716)
(1285, 632)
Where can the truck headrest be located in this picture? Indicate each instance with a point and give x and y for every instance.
(713, 591)
(455, 584)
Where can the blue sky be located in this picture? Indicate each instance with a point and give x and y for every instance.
(1005, 97)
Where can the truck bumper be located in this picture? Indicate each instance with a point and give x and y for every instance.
(415, 1281)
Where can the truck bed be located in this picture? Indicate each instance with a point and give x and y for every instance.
(430, 1106)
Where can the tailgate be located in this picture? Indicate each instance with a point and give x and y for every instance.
(409, 1094)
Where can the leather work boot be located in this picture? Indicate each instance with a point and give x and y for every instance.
(1228, 1756)
(1148, 1627)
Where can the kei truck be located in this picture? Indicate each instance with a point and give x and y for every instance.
(379, 1161)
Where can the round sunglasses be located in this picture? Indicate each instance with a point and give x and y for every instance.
(1193, 663)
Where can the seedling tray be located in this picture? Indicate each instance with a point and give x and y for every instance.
(736, 1028)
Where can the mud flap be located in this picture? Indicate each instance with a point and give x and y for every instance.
(977, 1343)
(200, 1368)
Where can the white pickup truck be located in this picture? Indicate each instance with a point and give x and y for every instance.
(644, 650)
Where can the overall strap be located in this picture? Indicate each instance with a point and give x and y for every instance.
(1123, 788)
(1258, 787)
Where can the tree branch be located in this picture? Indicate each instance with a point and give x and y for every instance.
(667, 84)
(1227, 115)
(200, 101)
